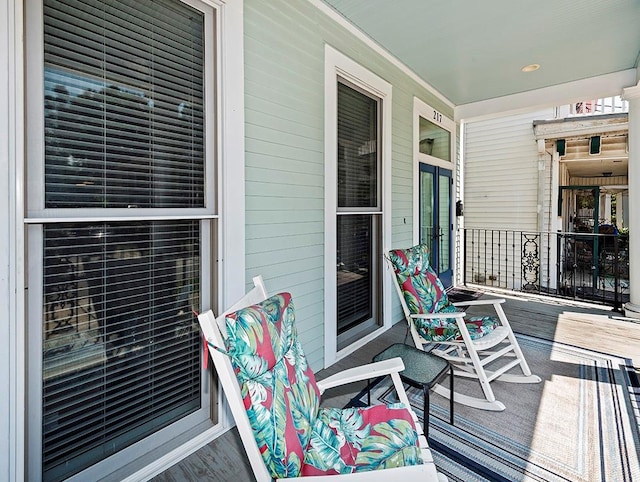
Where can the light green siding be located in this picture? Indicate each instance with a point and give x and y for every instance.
(284, 133)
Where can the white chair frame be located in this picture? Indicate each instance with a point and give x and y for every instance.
(469, 357)
(213, 329)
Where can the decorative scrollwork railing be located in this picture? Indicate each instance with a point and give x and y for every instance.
(592, 267)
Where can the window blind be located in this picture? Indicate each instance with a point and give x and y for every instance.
(121, 357)
(358, 190)
(124, 104)
(355, 246)
(357, 149)
(124, 127)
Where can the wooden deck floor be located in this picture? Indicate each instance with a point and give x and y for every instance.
(588, 326)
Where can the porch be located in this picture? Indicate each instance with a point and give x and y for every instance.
(563, 321)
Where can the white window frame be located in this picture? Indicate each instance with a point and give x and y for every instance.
(339, 65)
(227, 253)
(12, 333)
(424, 110)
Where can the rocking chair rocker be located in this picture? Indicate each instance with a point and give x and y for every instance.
(469, 343)
(274, 399)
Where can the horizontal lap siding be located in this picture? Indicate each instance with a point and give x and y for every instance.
(501, 194)
(284, 141)
(501, 173)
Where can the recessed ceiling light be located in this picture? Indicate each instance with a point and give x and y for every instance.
(530, 68)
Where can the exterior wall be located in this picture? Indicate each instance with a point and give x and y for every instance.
(501, 172)
(284, 113)
(506, 181)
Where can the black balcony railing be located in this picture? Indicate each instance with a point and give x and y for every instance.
(591, 267)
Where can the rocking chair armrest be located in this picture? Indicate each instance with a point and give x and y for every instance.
(491, 301)
(363, 372)
(439, 316)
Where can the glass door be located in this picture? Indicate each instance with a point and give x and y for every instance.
(436, 226)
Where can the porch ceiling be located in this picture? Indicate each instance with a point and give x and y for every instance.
(474, 51)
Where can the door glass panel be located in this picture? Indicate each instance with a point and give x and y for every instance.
(427, 197)
(434, 140)
(435, 218)
(444, 222)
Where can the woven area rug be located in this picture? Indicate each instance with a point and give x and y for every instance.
(581, 424)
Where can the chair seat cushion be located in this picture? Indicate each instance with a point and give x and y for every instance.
(361, 439)
(446, 329)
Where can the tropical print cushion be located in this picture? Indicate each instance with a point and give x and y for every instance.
(278, 387)
(361, 439)
(447, 329)
(424, 293)
(422, 289)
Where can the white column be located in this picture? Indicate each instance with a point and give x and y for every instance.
(632, 94)
(605, 208)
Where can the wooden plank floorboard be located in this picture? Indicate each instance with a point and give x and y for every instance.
(589, 326)
(593, 327)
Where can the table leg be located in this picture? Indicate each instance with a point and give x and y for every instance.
(425, 423)
(451, 392)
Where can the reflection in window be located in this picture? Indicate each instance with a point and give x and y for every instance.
(434, 140)
(120, 348)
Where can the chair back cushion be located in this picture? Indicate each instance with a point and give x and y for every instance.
(422, 290)
(278, 387)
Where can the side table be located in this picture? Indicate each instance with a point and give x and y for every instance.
(421, 370)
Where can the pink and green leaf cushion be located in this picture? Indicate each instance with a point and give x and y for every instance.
(362, 439)
(282, 401)
(279, 389)
(423, 292)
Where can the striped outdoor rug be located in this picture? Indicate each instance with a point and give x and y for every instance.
(581, 424)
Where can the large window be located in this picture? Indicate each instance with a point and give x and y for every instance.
(358, 106)
(120, 219)
(358, 210)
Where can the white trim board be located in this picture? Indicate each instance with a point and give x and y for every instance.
(337, 64)
(12, 330)
(424, 110)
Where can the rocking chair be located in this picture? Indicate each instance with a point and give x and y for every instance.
(469, 343)
(274, 399)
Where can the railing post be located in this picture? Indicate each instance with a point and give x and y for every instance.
(465, 256)
(559, 260)
(617, 306)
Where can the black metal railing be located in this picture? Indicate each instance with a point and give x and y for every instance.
(593, 267)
